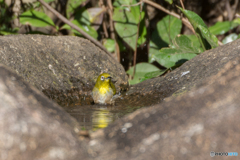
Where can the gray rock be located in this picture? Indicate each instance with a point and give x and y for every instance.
(32, 126)
(187, 126)
(201, 116)
(182, 79)
(60, 66)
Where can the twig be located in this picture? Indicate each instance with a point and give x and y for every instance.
(235, 7)
(100, 3)
(229, 10)
(112, 31)
(74, 27)
(220, 43)
(182, 4)
(105, 29)
(135, 52)
(110, 9)
(237, 15)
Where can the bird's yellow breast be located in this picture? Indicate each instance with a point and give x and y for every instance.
(103, 89)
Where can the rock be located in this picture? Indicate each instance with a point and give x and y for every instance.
(32, 126)
(201, 115)
(182, 79)
(188, 126)
(63, 67)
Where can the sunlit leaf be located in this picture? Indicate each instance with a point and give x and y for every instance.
(6, 32)
(206, 38)
(126, 20)
(119, 3)
(153, 74)
(141, 70)
(182, 50)
(220, 28)
(109, 44)
(209, 37)
(142, 30)
(194, 40)
(230, 38)
(36, 19)
(72, 5)
(88, 29)
(169, 1)
(171, 57)
(92, 17)
(167, 29)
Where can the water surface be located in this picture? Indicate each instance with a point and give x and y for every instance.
(93, 117)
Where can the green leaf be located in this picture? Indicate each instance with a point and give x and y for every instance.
(119, 3)
(183, 42)
(7, 32)
(236, 21)
(194, 19)
(48, 1)
(153, 74)
(195, 41)
(181, 51)
(88, 29)
(126, 21)
(121, 46)
(142, 30)
(109, 44)
(72, 5)
(172, 57)
(83, 16)
(230, 38)
(141, 70)
(169, 1)
(36, 19)
(210, 38)
(92, 17)
(206, 39)
(220, 28)
(167, 29)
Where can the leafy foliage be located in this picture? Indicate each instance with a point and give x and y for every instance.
(143, 71)
(167, 29)
(36, 19)
(109, 44)
(126, 21)
(207, 39)
(5, 20)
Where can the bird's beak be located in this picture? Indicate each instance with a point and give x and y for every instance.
(109, 78)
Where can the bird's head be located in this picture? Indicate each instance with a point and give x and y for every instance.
(103, 78)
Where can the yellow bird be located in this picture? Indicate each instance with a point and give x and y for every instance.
(104, 89)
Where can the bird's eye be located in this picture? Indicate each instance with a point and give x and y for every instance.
(102, 78)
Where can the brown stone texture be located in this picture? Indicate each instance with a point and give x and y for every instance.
(32, 126)
(182, 79)
(60, 66)
(188, 126)
(188, 113)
